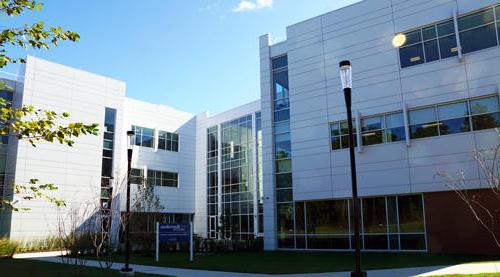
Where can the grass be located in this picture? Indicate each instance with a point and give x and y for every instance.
(30, 268)
(304, 262)
(469, 275)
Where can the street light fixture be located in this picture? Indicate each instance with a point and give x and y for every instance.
(130, 145)
(346, 78)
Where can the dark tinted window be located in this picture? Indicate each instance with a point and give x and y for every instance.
(279, 62)
(411, 55)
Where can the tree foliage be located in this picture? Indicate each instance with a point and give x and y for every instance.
(36, 36)
(28, 122)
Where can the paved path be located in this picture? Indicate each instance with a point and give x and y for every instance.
(402, 272)
(179, 272)
(466, 269)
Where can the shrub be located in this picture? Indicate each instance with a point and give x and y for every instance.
(7, 247)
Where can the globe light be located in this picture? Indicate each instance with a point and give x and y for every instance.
(399, 40)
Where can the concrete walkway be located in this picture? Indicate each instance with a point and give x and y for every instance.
(466, 269)
(402, 272)
(179, 272)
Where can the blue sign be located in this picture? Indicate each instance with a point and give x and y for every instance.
(171, 232)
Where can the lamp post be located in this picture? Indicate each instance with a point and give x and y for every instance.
(130, 144)
(346, 78)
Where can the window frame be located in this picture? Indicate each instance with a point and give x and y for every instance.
(496, 25)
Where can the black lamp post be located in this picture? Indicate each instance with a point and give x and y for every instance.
(346, 78)
(130, 136)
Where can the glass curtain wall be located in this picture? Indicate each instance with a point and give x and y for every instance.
(4, 140)
(260, 197)
(237, 179)
(107, 167)
(388, 223)
(283, 153)
(212, 190)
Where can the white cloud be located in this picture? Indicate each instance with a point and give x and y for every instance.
(248, 5)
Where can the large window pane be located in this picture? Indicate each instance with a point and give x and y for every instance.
(394, 120)
(283, 166)
(485, 113)
(283, 146)
(327, 242)
(450, 111)
(423, 123)
(429, 32)
(411, 55)
(284, 195)
(453, 118)
(479, 38)
(282, 127)
(412, 242)
(284, 180)
(280, 85)
(486, 121)
(371, 123)
(445, 28)
(374, 215)
(454, 126)
(373, 137)
(431, 51)
(422, 116)
(336, 143)
(281, 104)
(335, 129)
(484, 105)
(327, 217)
(282, 115)
(413, 37)
(279, 62)
(475, 19)
(448, 46)
(300, 227)
(285, 218)
(395, 134)
(375, 242)
(392, 214)
(411, 214)
(286, 241)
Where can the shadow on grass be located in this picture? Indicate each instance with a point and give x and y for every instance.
(281, 262)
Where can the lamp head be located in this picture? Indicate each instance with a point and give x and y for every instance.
(130, 137)
(346, 74)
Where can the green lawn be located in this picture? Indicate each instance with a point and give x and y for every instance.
(469, 275)
(305, 262)
(30, 268)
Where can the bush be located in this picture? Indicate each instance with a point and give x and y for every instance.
(7, 247)
(50, 243)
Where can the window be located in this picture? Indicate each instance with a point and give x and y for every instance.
(485, 113)
(383, 128)
(438, 41)
(423, 123)
(429, 44)
(283, 146)
(453, 118)
(163, 179)
(477, 31)
(168, 141)
(108, 143)
(284, 180)
(144, 136)
(340, 134)
(137, 176)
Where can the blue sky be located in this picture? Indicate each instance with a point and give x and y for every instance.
(193, 55)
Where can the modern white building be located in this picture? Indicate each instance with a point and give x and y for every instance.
(278, 167)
